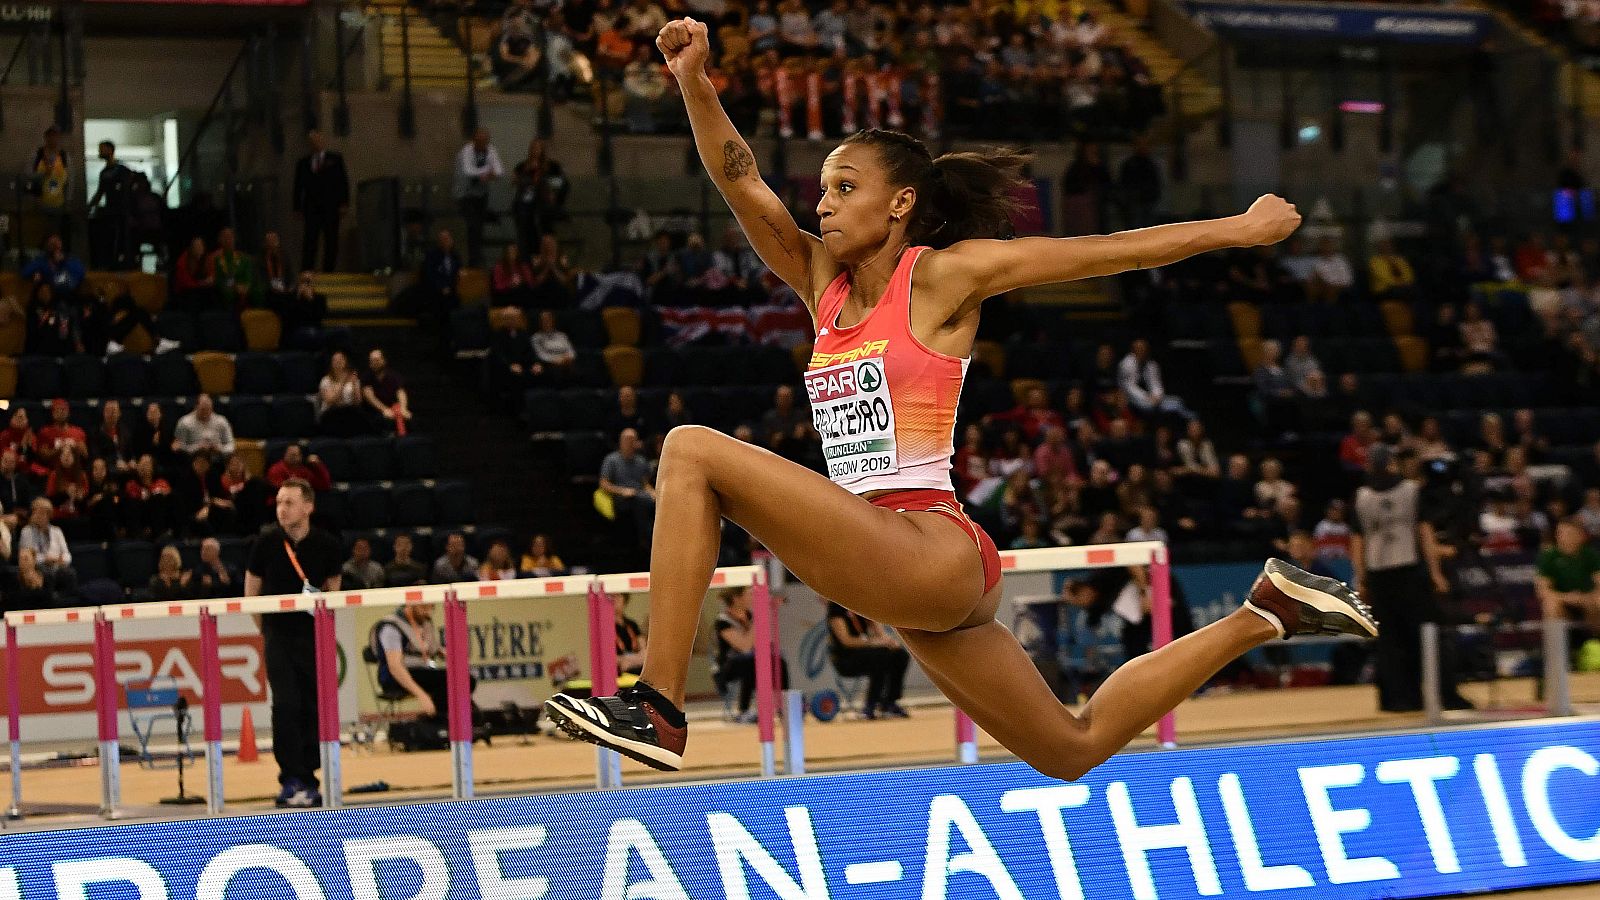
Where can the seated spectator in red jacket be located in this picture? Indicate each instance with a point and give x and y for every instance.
(1033, 415)
(147, 501)
(295, 465)
(19, 437)
(1053, 459)
(68, 485)
(194, 284)
(510, 281)
(1353, 448)
(58, 434)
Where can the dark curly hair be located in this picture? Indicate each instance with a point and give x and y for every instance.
(959, 195)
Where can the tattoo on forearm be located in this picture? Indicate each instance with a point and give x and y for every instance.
(736, 161)
(778, 236)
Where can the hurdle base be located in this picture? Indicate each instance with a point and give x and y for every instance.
(461, 787)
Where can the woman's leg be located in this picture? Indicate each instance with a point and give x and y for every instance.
(895, 663)
(988, 674)
(916, 571)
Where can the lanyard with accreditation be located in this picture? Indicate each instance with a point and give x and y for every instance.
(306, 587)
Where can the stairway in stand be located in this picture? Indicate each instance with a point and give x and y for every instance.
(356, 299)
(1199, 97)
(437, 57)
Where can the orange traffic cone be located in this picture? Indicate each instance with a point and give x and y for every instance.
(247, 739)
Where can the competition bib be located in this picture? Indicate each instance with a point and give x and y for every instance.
(851, 410)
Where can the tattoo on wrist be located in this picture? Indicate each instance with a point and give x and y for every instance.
(736, 161)
(778, 236)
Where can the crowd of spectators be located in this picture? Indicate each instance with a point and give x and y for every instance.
(825, 69)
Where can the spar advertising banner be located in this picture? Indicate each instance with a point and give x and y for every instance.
(1390, 816)
(57, 675)
(1357, 22)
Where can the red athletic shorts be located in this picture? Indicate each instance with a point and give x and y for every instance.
(945, 504)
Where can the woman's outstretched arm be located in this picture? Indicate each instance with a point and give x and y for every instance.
(978, 269)
(790, 253)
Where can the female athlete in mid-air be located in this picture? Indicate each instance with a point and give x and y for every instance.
(884, 534)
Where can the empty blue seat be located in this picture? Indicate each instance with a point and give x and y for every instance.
(453, 501)
(663, 366)
(91, 560)
(172, 375)
(543, 410)
(128, 375)
(414, 456)
(370, 506)
(292, 417)
(413, 504)
(372, 458)
(586, 409)
(40, 377)
(589, 369)
(333, 508)
(257, 373)
(335, 454)
(85, 376)
(250, 417)
(300, 371)
(584, 452)
(135, 562)
(584, 327)
(219, 330)
(469, 329)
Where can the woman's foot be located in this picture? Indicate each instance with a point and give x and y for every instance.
(1295, 601)
(637, 723)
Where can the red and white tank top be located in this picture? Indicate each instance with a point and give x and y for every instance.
(883, 402)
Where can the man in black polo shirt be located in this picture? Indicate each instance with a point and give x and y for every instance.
(293, 558)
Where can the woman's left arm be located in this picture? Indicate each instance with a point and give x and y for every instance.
(979, 269)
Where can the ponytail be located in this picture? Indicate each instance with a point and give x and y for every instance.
(959, 195)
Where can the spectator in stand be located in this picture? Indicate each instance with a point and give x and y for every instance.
(1389, 275)
(1139, 181)
(59, 435)
(112, 440)
(386, 393)
(321, 198)
(1565, 576)
(455, 564)
(1301, 364)
(49, 546)
(50, 180)
(1332, 278)
(233, 270)
(68, 485)
(437, 290)
(55, 267)
(19, 437)
(1149, 527)
(52, 327)
(779, 422)
(1300, 265)
(1053, 459)
(33, 586)
(1110, 530)
(1033, 415)
(860, 647)
(402, 570)
(631, 640)
(627, 414)
(1479, 342)
(361, 571)
(1031, 534)
(553, 349)
(200, 503)
(477, 165)
(340, 406)
(170, 582)
(194, 284)
(675, 413)
(1275, 389)
(147, 502)
(1533, 259)
(1525, 434)
(552, 277)
(1085, 187)
(644, 84)
(17, 488)
(1444, 339)
(1332, 534)
(736, 658)
(1139, 377)
(520, 46)
(203, 431)
(302, 311)
(1430, 442)
(971, 462)
(212, 577)
(1197, 456)
(510, 364)
(1355, 446)
(248, 493)
(1589, 513)
(625, 475)
(273, 285)
(1235, 500)
(497, 564)
(104, 506)
(510, 282)
(296, 465)
(541, 561)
